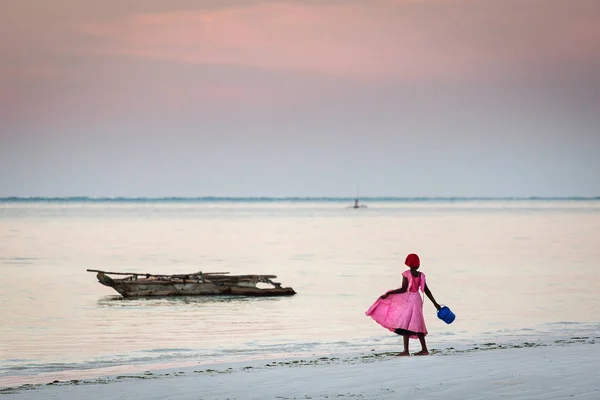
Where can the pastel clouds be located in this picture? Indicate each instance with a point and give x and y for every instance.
(404, 41)
(274, 36)
(69, 58)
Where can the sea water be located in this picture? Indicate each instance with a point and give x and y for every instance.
(512, 270)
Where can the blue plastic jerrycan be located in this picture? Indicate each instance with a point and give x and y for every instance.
(446, 315)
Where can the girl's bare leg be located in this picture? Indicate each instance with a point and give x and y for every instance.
(405, 352)
(424, 351)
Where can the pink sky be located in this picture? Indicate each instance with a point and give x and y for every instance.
(68, 64)
(399, 40)
(377, 41)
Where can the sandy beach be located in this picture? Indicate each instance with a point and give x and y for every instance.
(530, 372)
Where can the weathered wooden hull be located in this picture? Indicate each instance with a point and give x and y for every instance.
(141, 289)
(243, 291)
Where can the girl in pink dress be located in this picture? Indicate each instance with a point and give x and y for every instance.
(401, 310)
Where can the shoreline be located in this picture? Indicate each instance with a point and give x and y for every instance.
(91, 373)
(83, 372)
(536, 370)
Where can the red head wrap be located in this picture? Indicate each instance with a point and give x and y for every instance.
(412, 260)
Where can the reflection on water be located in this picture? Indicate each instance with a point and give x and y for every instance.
(151, 301)
(505, 269)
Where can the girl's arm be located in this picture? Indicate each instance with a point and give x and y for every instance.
(428, 293)
(397, 291)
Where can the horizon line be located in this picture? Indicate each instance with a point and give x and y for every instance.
(283, 198)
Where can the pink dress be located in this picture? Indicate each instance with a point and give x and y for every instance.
(402, 313)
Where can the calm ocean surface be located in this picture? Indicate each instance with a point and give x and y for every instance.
(511, 270)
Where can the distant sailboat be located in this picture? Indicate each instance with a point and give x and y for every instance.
(356, 205)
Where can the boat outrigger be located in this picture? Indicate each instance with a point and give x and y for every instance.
(136, 284)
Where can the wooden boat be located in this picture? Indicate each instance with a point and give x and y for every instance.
(356, 205)
(136, 284)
